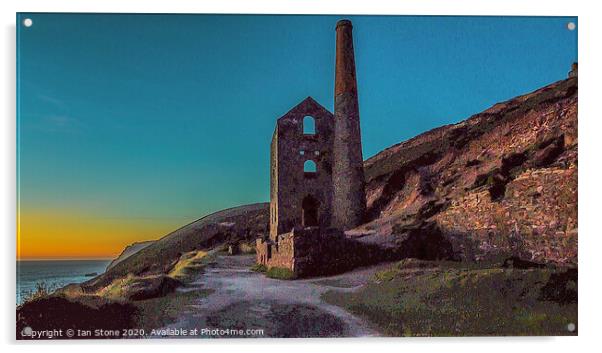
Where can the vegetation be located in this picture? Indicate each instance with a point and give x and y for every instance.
(53, 312)
(238, 247)
(247, 247)
(71, 308)
(190, 263)
(116, 289)
(41, 290)
(446, 299)
(159, 312)
(259, 268)
(280, 273)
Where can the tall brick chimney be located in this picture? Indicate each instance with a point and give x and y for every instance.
(349, 197)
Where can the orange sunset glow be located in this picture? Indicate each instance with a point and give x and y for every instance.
(59, 235)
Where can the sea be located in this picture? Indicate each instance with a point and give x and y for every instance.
(55, 273)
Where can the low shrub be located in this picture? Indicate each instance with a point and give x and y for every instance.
(280, 273)
(247, 248)
(42, 290)
(259, 268)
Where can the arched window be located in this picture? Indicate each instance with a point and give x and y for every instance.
(309, 125)
(309, 166)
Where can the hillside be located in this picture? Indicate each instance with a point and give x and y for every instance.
(244, 223)
(501, 183)
(447, 298)
(129, 251)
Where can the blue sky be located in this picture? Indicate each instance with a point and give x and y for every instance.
(170, 116)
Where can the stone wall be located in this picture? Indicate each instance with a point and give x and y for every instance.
(290, 185)
(274, 185)
(278, 253)
(311, 252)
(536, 219)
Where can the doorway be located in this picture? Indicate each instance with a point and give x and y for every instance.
(310, 211)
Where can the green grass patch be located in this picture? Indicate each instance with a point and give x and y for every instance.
(190, 264)
(248, 248)
(280, 273)
(259, 268)
(448, 300)
(116, 290)
(158, 312)
(338, 282)
(385, 275)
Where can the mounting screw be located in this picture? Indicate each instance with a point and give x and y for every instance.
(571, 26)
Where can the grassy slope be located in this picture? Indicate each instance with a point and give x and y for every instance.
(239, 223)
(189, 265)
(129, 251)
(91, 310)
(451, 300)
(190, 262)
(159, 312)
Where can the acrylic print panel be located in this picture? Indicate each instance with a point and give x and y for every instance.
(226, 176)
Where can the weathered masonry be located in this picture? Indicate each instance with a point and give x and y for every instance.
(348, 174)
(301, 169)
(316, 176)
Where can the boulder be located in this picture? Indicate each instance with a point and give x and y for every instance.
(142, 288)
(518, 263)
(549, 153)
(424, 242)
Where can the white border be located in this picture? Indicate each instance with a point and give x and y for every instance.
(589, 171)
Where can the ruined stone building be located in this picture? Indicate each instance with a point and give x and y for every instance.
(316, 175)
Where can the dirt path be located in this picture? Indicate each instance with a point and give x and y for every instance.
(245, 300)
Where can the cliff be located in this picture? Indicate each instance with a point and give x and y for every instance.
(500, 183)
(129, 251)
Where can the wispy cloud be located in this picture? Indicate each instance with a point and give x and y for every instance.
(57, 118)
(60, 123)
(51, 100)
(53, 123)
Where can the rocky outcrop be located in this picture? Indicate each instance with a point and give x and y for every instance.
(150, 287)
(501, 183)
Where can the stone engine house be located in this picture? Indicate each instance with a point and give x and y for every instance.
(316, 176)
(301, 169)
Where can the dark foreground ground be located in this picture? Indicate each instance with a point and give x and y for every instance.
(408, 298)
(240, 299)
(416, 298)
